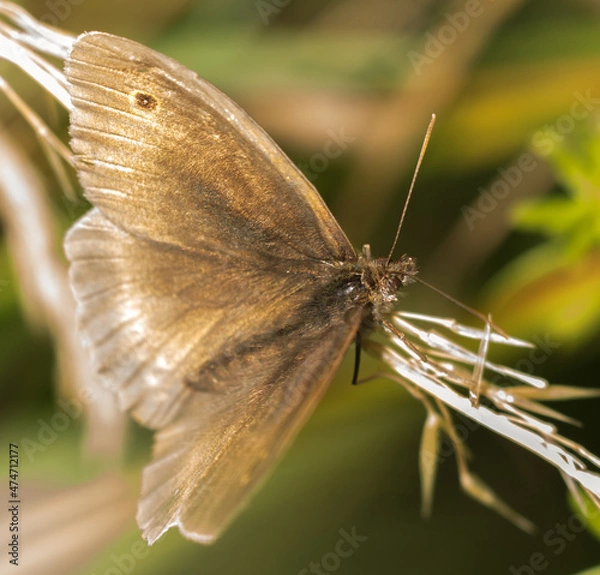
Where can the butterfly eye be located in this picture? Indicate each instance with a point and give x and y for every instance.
(393, 284)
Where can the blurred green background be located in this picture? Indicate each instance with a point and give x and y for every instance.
(506, 218)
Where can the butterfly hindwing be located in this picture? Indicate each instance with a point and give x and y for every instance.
(162, 323)
(152, 319)
(210, 459)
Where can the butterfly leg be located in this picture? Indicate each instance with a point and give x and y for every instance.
(405, 340)
(357, 352)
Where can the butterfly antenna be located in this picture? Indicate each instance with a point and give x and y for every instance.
(412, 184)
(485, 319)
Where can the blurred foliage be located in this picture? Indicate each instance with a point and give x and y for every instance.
(554, 287)
(591, 514)
(303, 69)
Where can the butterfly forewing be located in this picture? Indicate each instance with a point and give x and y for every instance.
(207, 278)
(164, 154)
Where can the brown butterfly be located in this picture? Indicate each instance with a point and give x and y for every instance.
(217, 293)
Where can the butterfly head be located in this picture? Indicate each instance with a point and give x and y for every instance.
(381, 279)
